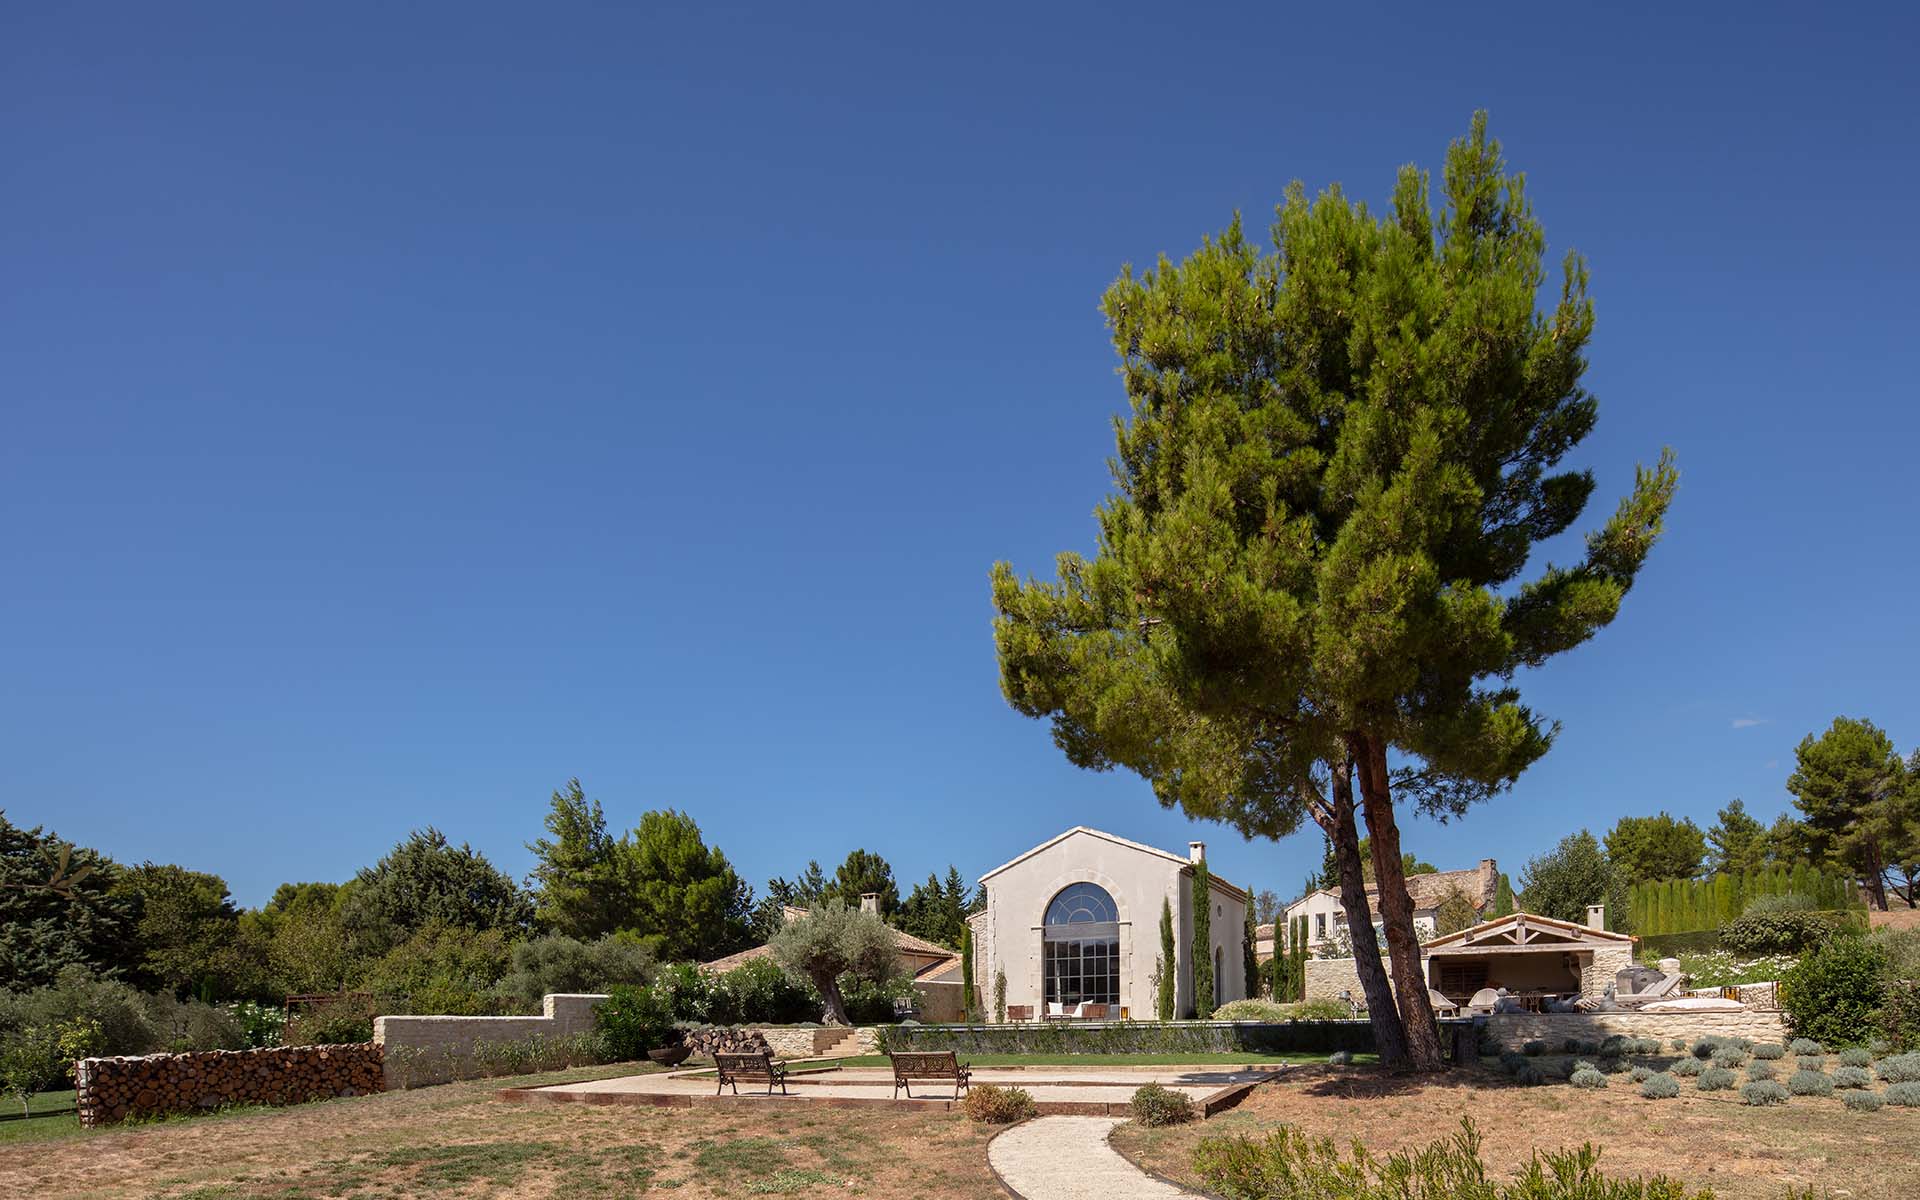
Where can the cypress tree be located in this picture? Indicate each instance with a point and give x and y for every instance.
(1503, 897)
(1202, 941)
(1250, 956)
(1169, 965)
(966, 971)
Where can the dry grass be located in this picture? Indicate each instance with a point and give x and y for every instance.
(456, 1140)
(1707, 1140)
(1897, 918)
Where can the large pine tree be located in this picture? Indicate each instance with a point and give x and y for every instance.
(1338, 459)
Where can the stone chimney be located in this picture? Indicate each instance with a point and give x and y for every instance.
(1196, 852)
(870, 902)
(1597, 917)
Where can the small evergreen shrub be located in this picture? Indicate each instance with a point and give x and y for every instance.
(1802, 1045)
(1688, 1067)
(1904, 1095)
(1718, 1079)
(1901, 1068)
(1703, 1049)
(1581, 1064)
(1615, 1044)
(1729, 1056)
(1852, 1077)
(1811, 1062)
(1856, 1056)
(1810, 1083)
(1760, 1070)
(1611, 1066)
(1534, 1048)
(1646, 1046)
(1154, 1105)
(1640, 1074)
(1680, 1045)
(1660, 1087)
(1340, 1058)
(1769, 1050)
(1512, 1060)
(1588, 1078)
(1863, 1101)
(1763, 1093)
(1530, 1075)
(990, 1105)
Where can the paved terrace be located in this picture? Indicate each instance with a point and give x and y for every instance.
(1056, 1090)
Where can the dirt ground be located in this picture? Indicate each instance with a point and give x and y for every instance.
(1898, 918)
(1707, 1140)
(457, 1140)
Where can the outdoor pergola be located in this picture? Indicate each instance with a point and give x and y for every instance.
(1535, 958)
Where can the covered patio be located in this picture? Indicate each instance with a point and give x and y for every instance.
(1537, 960)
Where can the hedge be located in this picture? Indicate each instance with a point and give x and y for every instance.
(1136, 1037)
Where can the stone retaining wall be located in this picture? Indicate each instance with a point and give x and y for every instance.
(438, 1049)
(109, 1090)
(1513, 1030)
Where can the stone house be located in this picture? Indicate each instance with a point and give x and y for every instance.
(1076, 920)
(1327, 919)
(934, 969)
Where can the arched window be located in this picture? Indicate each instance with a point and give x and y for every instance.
(1082, 940)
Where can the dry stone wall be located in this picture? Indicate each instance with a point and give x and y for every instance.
(110, 1090)
(438, 1049)
(1513, 1030)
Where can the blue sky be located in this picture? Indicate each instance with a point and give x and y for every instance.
(407, 407)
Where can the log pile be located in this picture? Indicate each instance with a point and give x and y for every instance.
(109, 1090)
(711, 1039)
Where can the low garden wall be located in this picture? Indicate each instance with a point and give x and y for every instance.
(426, 1050)
(1137, 1037)
(109, 1090)
(1510, 1031)
(789, 1041)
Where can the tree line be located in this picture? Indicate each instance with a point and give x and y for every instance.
(431, 920)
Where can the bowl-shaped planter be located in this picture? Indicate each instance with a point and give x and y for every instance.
(670, 1056)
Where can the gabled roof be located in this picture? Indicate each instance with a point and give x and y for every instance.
(1117, 840)
(1523, 930)
(903, 942)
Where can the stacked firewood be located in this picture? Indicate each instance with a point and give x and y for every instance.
(113, 1089)
(709, 1040)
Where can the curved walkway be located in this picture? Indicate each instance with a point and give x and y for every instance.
(1068, 1158)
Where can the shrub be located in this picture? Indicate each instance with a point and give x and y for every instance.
(1901, 1068)
(1660, 1087)
(120, 1012)
(1340, 1058)
(1763, 1093)
(1616, 1044)
(1904, 1095)
(1834, 992)
(1611, 1066)
(1321, 1010)
(632, 1021)
(1581, 1064)
(1717, 1079)
(1760, 1070)
(1801, 1045)
(1782, 932)
(1588, 1078)
(263, 1025)
(1863, 1101)
(1729, 1056)
(1810, 1083)
(992, 1105)
(1687, 1067)
(1704, 1048)
(340, 1022)
(557, 963)
(1769, 1050)
(1154, 1105)
(1581, 1046)
(1811, 1062)
(1640, 1074)
(1856, 1056)
(761, 993)
(1254, 1010)
(1645, 1046)
(1288, 1162)
(1535, 1047)
(1852, 1077)
(1680, 1045)
(1530, 1075)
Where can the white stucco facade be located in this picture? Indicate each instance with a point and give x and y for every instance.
(1010, 935)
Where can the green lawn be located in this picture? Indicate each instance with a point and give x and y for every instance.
(37, 1127)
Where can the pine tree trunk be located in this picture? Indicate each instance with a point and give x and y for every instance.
(1389, 1033)
(1396, 907)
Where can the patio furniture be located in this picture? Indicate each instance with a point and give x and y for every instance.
(1019, 1012)
(1442, 1006)
(730, 1069)
(938, 1064)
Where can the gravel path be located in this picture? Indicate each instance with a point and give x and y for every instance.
(1068, 1158)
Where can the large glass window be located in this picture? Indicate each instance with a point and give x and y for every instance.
(1082, 941)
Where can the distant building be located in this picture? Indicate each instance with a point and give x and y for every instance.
(1327, 919)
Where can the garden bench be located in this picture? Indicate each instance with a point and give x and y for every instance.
(1019, 1012)
(730, 1069)
(938, 1064)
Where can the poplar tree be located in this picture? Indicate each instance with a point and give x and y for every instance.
(1202, 941)
(1250, 956)
(1338, 459)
